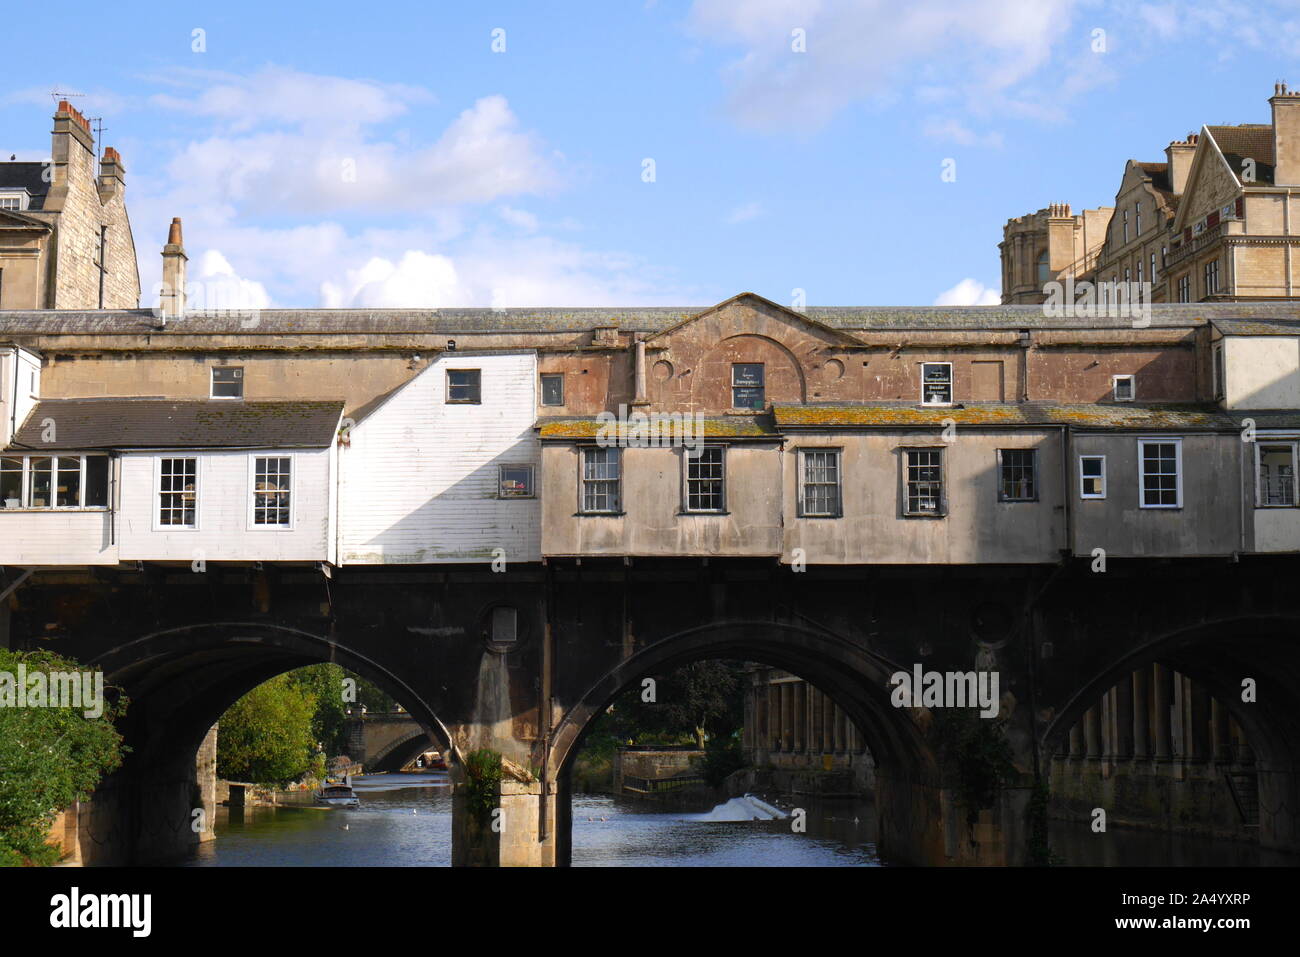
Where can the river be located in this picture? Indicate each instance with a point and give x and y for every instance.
(405, 820)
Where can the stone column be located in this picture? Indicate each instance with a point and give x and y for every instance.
(1076, 740)
(1221, 735)
(1123, 700)
(1141, 713)
(787, 717)
(1163, 691)
(1092, 731)
(800, 690)
(773, 714)
(818, 722)
(839, 730)
(1200, 721)
(828, 726)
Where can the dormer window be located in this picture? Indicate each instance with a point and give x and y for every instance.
(1122, 388)
(15, 199)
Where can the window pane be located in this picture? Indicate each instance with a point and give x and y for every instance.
(704, 478)
(68, 493)
(821, 483)
(1091, 475)
(177, 487)
(463, 385)
(96, 480)
(1160, 473)
(1276, 475)
(516, 481)
(271, 491)
(600, 482)
(227, 383)
(1018, 478)
(11, 482)
(924, 482)
(747, 385)
(42, 478)
(553, 388)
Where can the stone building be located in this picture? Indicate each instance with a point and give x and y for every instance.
(65, 238)
(1214, 222)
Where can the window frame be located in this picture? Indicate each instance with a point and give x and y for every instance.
(1177, 443)
(1260, 442)
(158, 525)
(532, 480)
(212, 381)
(1002, 496)
(762, 386)
(951, 390)
(905, 465)
(1184, 287)
(687, 460)
(618, 506)
(541, 388)
(1082, 477)
(801, 480)
(253, 526)
(478, 386)
(25, 479)
(1114, 387)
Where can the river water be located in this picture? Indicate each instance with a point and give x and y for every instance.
(405, 820)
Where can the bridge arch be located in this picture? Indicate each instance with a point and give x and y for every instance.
(854, 678)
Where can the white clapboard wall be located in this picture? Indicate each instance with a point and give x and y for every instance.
(419, 475)
(224, 529)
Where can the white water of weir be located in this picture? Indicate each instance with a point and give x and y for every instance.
(747, 808)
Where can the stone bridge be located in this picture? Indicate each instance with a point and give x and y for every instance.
(386, 741)
(183, 646)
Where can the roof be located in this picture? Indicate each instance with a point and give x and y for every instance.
(335, 322)
(1258, 327)
(182, 424)
(28, 176)
(710, 427)
(1247, 141)
(1123, 415)
(1158, 173)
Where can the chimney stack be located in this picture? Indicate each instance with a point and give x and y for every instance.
(112, 175)
(1179, 154)
(172, 298)
(1286, 135)
(72, 152)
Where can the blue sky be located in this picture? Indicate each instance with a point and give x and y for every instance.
(334, 155)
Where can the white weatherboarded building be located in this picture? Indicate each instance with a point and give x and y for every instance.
(446, 468)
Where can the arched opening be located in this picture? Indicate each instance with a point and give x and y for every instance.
(851, 681)
(1195, 733)
(180, 682)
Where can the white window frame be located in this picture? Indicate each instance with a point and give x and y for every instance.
(1132, 387)
(687, 459)
(801, 484)
(951, 390)
(1262, 439)
(619, 505)
(477, 400)
(532, 480)
(1178, 466)
(158, 526)
(1092, 495)
(541, 389)
(25, 491)
(22, 196)
(941, 511)
(252, 490)
(212, 383)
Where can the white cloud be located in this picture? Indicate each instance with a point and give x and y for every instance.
(744, 213)
(519, 218)
(215, 285)
(969, 292)
(953, 131)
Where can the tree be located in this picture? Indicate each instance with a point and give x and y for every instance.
(49, 758)
(266, 736)
(699, 700)
(329, 721)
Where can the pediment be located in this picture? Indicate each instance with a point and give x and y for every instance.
(751, 314)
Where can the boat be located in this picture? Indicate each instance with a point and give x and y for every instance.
(338, 795)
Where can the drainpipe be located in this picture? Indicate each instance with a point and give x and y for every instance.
(1067, 496)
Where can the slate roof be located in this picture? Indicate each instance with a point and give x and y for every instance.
(1258, 327)
(180, 424)
(29, 176)
(282, 322)
(1121, 415)
(1249, 140)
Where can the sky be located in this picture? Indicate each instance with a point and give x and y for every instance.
(626, 152)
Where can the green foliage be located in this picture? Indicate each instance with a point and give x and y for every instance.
(49, 758)
(701, 700)
(722, 757)
(267, 737)
(329, 721)
(975, 755)
(1040, 852)
(482, 784)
